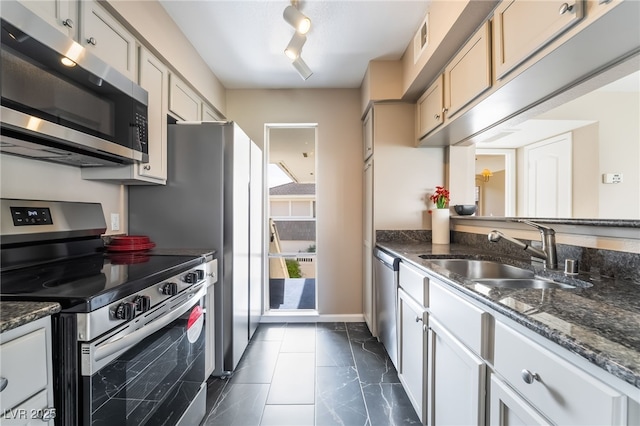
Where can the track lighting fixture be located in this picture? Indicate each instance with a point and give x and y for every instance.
(294, 47)
(303, 69)
(302, 24)
(297, 19)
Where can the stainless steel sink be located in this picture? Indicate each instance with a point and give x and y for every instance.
(477, 269)
(522, 283)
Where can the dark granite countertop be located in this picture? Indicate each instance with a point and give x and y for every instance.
(600, 323)
(15, 314)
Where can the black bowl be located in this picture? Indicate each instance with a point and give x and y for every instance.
(465, 209)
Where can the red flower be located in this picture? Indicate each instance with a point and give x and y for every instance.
(440, 197)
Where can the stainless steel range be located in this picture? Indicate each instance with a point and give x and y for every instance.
(129, 343)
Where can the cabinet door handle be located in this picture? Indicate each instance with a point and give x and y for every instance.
(68, 23)
(147, 167)
(564, 8)
(3, 383)
(529, 377)
(418, 319)
(92, 41)
(437, 116)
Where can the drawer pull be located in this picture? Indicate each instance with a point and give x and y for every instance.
(529, 377)
(565, 8)
(3, 383)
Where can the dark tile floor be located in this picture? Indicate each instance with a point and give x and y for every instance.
(311, 374)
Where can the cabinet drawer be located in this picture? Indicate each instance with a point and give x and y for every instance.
(562, 392)
(466, 322)
(415, 283)
(23, 363)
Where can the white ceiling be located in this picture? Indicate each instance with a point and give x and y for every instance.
(243, 41)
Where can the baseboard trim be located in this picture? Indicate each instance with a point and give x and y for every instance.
(309, 316)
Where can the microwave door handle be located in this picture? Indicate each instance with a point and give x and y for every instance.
(104, 350)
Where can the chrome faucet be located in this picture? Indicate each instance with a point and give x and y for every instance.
(548, 237)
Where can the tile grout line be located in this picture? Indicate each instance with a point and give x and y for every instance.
(355, 365)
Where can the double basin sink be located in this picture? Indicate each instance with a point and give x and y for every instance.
(495, 274)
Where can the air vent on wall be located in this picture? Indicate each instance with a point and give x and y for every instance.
(421, 39)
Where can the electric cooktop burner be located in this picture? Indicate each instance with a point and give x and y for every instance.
(89, 282)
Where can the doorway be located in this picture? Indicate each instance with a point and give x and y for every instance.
(291, 218)
(495, 182)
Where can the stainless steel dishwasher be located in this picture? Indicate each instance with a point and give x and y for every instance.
(385, 275)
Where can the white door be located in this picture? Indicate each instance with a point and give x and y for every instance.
(548, 177)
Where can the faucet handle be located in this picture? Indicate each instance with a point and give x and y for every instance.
(539, 227)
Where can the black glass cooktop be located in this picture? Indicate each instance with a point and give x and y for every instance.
(87, 283)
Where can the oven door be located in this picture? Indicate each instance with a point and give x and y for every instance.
(151, 372)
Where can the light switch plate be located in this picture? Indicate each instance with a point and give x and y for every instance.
(115, 221)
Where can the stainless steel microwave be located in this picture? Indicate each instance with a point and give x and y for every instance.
(63, 104)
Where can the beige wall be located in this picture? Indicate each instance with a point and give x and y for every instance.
(39, 180)
(339, 187)
(586, 172)
(404, 176)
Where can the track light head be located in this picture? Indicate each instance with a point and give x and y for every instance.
(294, 48)
(302, 68)
(297, 19)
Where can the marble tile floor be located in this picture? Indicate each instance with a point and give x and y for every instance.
(311, 374)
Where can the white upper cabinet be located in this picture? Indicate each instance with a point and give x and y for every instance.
(61, 14)
(183, 101)
(469, 73)
(522, 27)
(208, 114)
(154, 78)
(430, 108)
(105, 37)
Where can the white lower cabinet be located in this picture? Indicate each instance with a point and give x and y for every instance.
(507, 408)
(26, 384)
(456, 380)
(462, 363)
(560, 391)
(412, 351)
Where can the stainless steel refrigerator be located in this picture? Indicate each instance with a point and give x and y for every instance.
(213, 199)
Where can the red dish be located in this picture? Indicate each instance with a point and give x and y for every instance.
(130, 239)
(130, 247)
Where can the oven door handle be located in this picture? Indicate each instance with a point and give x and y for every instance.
(114, 346)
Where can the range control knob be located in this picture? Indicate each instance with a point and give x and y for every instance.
(170, 289)
(125, 311)
(200, 273)
(191, 278)
(143, 303)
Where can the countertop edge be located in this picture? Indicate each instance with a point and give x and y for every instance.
(15, 314)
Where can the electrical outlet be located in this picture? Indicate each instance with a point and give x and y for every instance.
(612, 178)
(115, 221)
